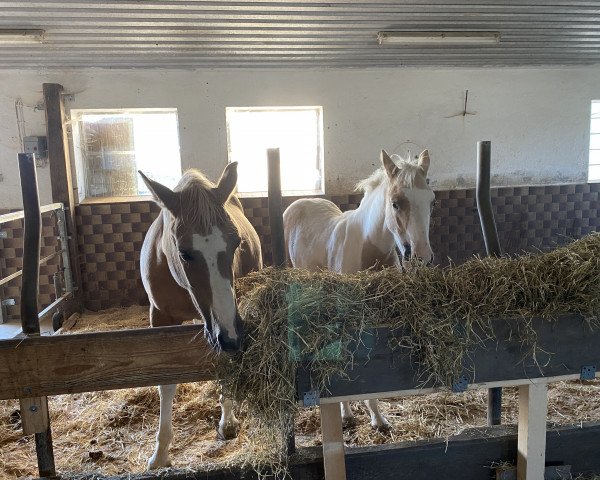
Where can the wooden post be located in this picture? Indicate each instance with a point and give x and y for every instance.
(334, 459)
(531, 443)
(34, 411)
(492, 246)
(278, 245)
(62, 184)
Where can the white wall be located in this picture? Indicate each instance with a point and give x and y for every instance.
(537, 119)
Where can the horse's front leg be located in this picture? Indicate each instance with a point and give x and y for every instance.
(160, 457)
(229, 425)
(378, 420)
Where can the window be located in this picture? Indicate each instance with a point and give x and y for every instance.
(296, 131)
(112, 145)
(594, 171)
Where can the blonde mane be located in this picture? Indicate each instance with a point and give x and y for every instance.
(407, 172)
(198, 202)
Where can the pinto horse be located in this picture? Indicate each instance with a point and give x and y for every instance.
(394, 213)
(190, 256)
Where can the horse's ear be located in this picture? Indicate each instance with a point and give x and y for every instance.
(227, 183)
(164, 196)
(424, 161)
(390, 167)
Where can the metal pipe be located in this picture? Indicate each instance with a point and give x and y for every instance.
(484, 200)
(10, 217)
(276, 208)
(64, 245)
(278, 248)
(18, 273)
(492, 246)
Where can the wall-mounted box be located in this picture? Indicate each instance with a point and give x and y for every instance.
(35, 144)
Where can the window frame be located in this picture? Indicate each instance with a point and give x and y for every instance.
(75, 116)
(320, 154)
(593, 116)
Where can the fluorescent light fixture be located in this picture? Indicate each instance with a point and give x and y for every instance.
(21, 36)
(438, 38)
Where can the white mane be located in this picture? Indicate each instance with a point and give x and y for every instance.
(407, 171)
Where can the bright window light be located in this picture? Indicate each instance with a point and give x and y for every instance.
(112, 145)
(594, 168)
(296, 131)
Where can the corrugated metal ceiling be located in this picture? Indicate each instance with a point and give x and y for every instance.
(339, 33)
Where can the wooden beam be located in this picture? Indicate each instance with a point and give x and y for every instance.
(469, 456)
(564, 346)
(333, 442)
(61, 178)
(34, 415)
(533, 407)
(54, 365)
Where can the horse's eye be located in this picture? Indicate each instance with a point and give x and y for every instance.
(394, 205)
(185, 256)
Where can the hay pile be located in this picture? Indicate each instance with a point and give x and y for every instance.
(317, 316)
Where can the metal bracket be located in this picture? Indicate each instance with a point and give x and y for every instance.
(68, 97)
(461, 384)
(311, 398)
(9, 302)
(588, 372)
(3, 234)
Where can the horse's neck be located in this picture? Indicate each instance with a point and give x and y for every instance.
(370, 215)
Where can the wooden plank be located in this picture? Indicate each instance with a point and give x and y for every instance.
(333, 442)
(531, 448)
(44, 366)
(470, 456)
(34, 415)
(565, 345)
(61, 178)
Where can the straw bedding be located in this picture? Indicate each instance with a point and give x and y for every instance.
(318, 314)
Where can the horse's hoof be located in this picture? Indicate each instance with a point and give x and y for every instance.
(157, 462)
(383, 426)
(228, 432)
(348, 422)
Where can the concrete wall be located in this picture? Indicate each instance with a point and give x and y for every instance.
(537, 119)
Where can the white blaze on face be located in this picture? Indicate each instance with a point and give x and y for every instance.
(223, 298)
(418, 223)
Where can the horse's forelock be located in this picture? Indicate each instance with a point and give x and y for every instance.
(199, 206)
(406, 175)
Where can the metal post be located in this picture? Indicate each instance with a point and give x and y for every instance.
(31, 245)
(492, 246)
(278, 247)
(275, 208)
(29, 292)
(64, 246)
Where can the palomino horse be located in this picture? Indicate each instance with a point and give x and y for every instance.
(394, 212)
(191, 254)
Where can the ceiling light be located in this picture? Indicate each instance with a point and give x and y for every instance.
(441, 38)
(20, 36)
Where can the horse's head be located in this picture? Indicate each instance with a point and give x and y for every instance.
(408, 205)
(199, 241)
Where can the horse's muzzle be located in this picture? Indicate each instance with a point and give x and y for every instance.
(229, 346)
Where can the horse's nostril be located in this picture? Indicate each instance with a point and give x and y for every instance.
(407, 252)
(227, 345)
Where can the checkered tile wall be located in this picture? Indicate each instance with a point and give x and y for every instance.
(110, 235)
(11, 260)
